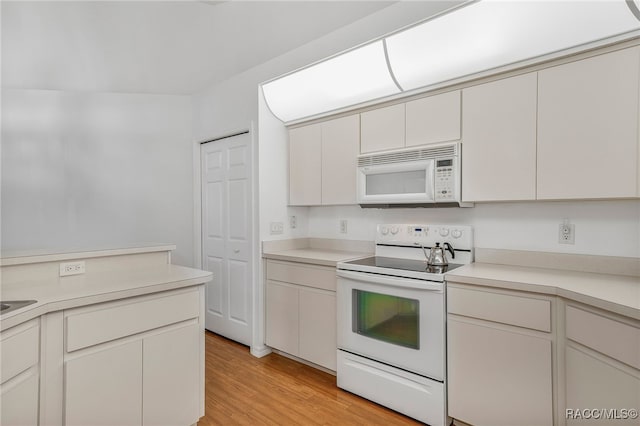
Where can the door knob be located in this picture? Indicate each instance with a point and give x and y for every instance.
(236, 251)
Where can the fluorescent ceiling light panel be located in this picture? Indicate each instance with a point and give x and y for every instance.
(493, 33)
(353, 77)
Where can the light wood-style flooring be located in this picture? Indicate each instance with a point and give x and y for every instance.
(275, 390)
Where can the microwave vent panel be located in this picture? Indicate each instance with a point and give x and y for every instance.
(407, 156)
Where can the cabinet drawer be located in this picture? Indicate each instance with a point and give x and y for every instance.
(307, 275)
(612, 338)
(102, 323)
(503, 308)
(20, 349)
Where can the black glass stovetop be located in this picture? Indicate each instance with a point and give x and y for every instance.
(404, 264)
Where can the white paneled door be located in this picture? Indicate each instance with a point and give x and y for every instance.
(227, 195)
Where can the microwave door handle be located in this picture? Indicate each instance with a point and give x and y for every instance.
(393, 281)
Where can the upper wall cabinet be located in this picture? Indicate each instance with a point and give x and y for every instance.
(499, 140)
(305, 165)
(423, 121)
(433, 119)
(340, 145)
(323, 161)
(382, 129)
(588, 128)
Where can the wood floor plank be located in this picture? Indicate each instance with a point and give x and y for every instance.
(275, 390)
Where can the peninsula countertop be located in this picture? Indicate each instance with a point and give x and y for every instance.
(80, 290)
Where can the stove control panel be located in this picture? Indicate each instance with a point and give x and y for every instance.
(459, 236)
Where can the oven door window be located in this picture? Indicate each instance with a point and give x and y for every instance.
(388, 318)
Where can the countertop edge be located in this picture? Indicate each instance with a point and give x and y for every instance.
(290, 256)
(42, 308)
(463, 277)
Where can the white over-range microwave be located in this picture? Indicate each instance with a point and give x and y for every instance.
(424, 177)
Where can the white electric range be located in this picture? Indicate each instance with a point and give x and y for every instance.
(391, 319)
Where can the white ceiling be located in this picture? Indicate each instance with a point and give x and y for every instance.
(176, 47)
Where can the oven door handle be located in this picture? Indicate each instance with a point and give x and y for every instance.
(393, 281)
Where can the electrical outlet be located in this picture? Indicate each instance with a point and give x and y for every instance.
(343, 226)
(293, 222)
(72, 268)
(566, 233)
(277, 228)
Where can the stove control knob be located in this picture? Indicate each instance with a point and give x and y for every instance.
(384, 230)
(394, 230)
(444, 232)
(456, 233)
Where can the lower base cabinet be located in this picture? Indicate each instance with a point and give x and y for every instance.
(499, 357)
(141, 368)
(105, 387)
(601, 367)
(170, 377)
(301, 311)
(318, 336)
(498, 376)
(20, 375)
(595, 383)
(19, 406)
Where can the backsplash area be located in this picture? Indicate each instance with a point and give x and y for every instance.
(607, 228)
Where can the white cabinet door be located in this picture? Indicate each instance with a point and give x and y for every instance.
(105, 387)
(382, 129)
(170, 377)
(588, 128)
(282, 322)
(594, 383)
(498, 377)
(305, 165)
(499, 140)
(318, 327)
(433, 119)
(340, 148)
(19, 374)
(19, 400)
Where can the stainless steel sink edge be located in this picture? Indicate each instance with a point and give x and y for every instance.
(7, 306)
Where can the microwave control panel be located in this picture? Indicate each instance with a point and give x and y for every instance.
(445, 180)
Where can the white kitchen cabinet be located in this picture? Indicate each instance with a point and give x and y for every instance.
(282, 323)
(170, 377)
(135, 361)
(318, 327)
(340, 148)
(19, 391)
(498, 373)
(301, 311)
(588, 128)
(499, 140)
(433, 119)
(323, 161)
(305, 165)
(382, 129)
(602, 363)
(105, 387)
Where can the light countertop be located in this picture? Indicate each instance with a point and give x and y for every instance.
(79, 290)
(616, 293)
(316, 256)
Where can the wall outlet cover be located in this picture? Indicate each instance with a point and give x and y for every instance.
(72, 268)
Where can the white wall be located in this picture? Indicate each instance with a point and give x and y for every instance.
(610, 228)
(86, 169)
(232, 105)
